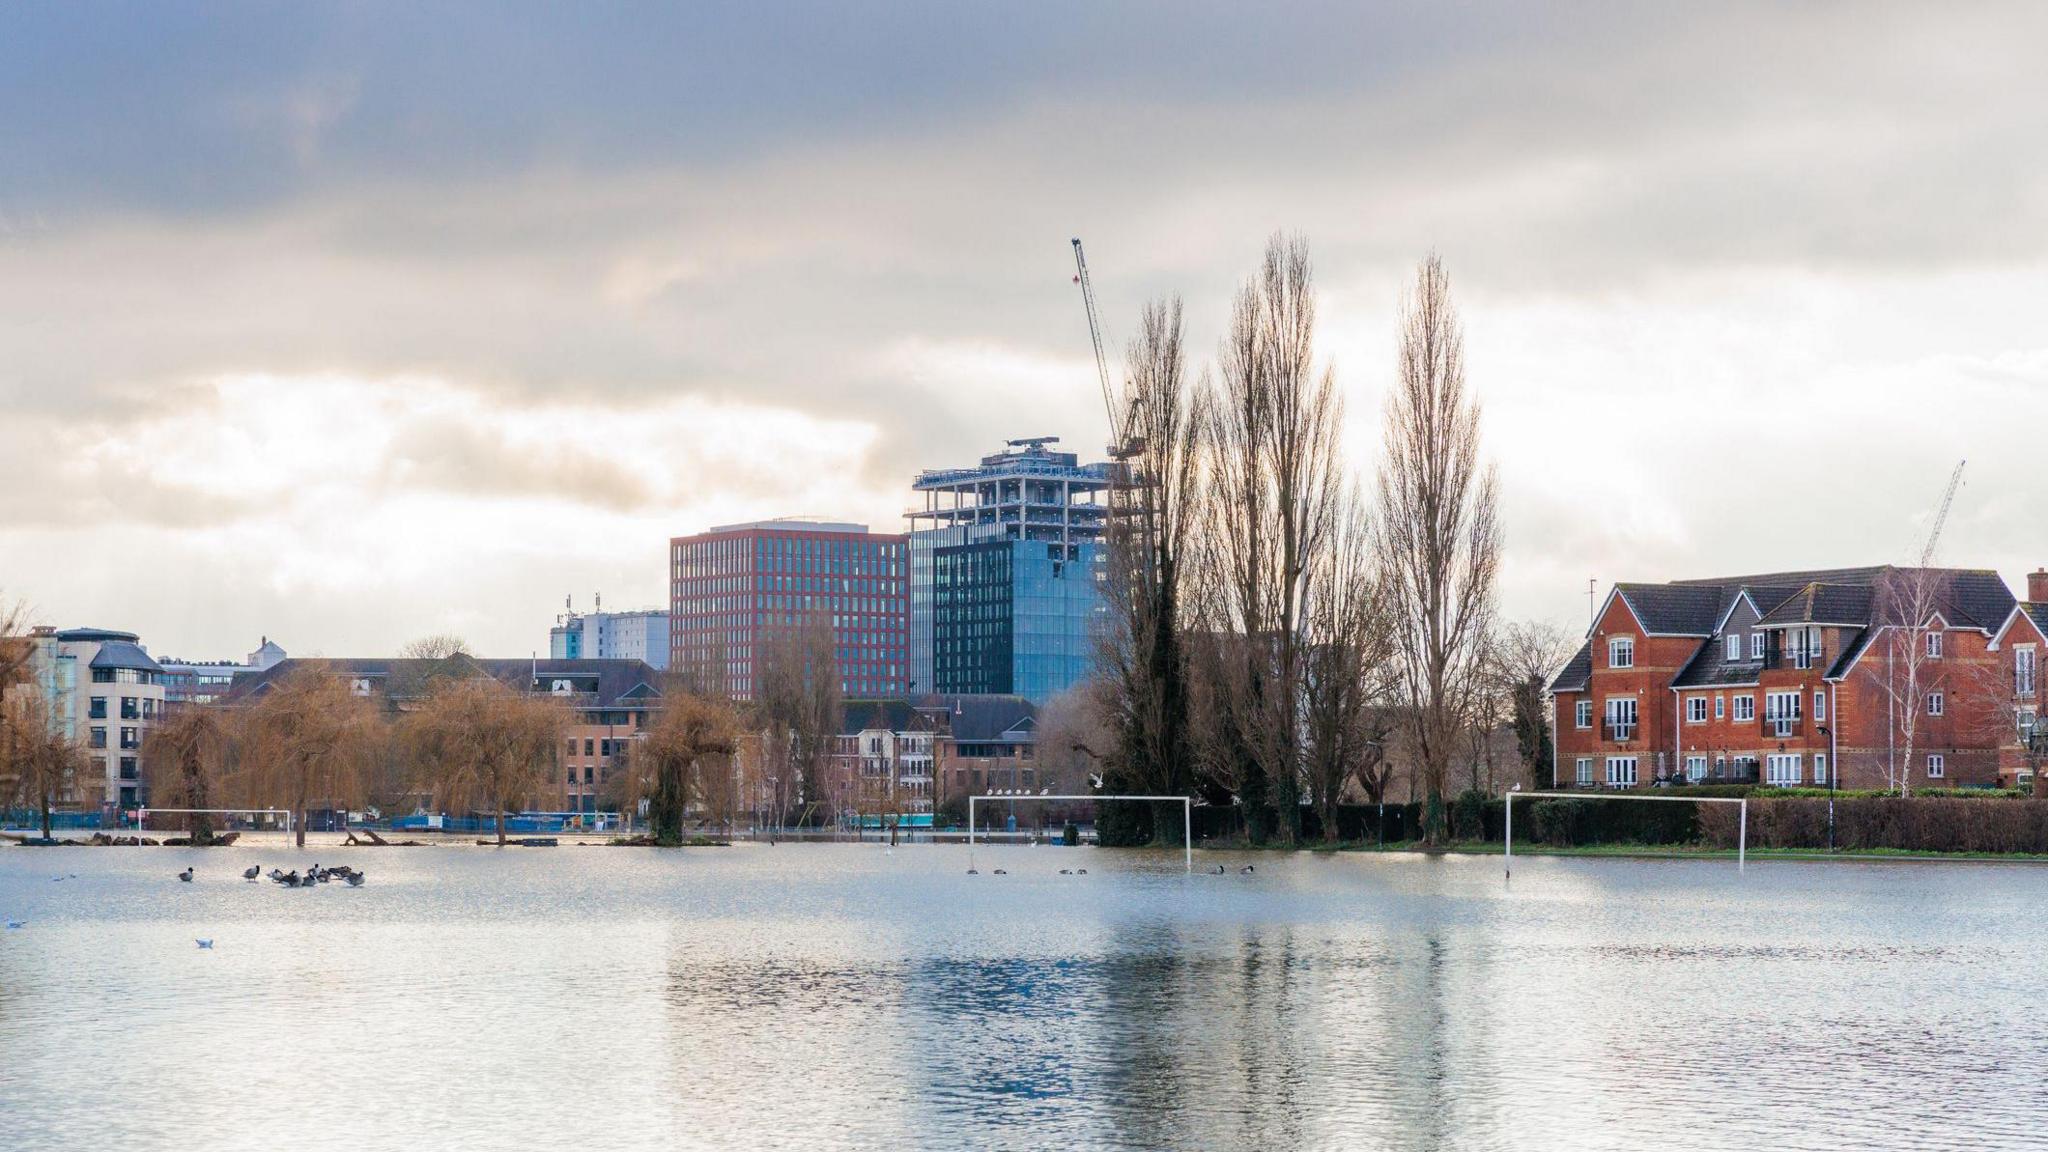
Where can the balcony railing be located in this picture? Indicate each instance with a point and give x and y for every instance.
(1783, 728)
(1620, 731)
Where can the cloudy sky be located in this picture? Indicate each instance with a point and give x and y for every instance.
(349, 323)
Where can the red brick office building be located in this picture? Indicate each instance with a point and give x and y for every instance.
(1794, 677)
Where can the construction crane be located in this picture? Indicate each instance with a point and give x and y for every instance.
(1116, 432)
(1948, 498)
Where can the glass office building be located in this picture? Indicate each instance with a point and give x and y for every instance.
(1006, 567)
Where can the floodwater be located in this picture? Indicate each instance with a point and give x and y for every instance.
(843, 996)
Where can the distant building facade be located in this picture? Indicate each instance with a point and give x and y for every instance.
(204, 682)
(734, 589)
(105, 693)
(610, 702)
(1790, 679)
(1006, 562)
(637, 635)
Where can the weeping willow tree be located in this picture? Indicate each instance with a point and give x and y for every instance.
(310, 736)
(685, 752)
(483, 745)
(184, 757)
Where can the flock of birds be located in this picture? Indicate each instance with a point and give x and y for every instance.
(314, 875)
(1216, 871)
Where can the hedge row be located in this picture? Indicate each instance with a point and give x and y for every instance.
(1926, 823)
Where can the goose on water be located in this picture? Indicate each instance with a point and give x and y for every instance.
(1245, 871)
(355, 879)
(253, 872)
(186, 875)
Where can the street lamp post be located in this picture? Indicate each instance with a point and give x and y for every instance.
(1834, 770)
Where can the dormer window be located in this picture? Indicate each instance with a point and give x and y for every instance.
(1934, 645)
(1756, 645)
(1621, 652)
(1734, 646)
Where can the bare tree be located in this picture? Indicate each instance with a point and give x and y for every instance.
(308, 737)
(186, 756)
(39, 766)
(1346, 666)
(1152, 513)
(1524, 656)
(1437, 534)
(1904, 665)
(483, 744)
(17, 653)
(1273, 450)
(799, 706)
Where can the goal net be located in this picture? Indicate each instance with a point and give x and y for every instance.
(1527, 798)
(177, 823)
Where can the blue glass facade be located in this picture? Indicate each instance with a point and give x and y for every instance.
(1004, 573)
(1015, 617)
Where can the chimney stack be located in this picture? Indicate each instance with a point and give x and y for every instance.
(2037, 586)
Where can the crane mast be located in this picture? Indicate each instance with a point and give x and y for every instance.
(1116, 432)
(1948, 498)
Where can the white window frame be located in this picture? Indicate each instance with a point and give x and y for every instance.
(1585, 771)
(1756, 645)
(1582, 714)
(1621, 651)
(1734, 648)
(1695, 768)
(1745, 709)
(1695, 709)
(1622, 771)
(1781, 769)
(1720, 705)
(1820, 767)
(2025, 669)
(1820, 706)
(1616, 705)
(1937, 704)
(1937, 766)
(1934, 643)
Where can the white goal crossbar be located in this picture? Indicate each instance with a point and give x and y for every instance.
(142, 816)
(1741, 826)
(1187, 814)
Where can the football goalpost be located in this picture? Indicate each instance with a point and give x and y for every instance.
(1741, 824)
(281, 818)
(1187, 816)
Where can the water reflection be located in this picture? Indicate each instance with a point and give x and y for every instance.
(849, 998)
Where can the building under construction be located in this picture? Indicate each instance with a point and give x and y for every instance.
(1005, 564)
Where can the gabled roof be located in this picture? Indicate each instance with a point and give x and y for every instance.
(1577, 673)
(1672, 609)
(1841, 605)
(986, 719)
(2034, 614)
(1711, 668)
(887, 715)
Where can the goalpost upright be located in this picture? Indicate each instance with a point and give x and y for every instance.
(1741, 824)
(1187, 816)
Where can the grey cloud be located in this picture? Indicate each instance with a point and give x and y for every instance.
(452, 456)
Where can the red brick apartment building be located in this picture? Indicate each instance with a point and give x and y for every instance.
(1792, 677)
